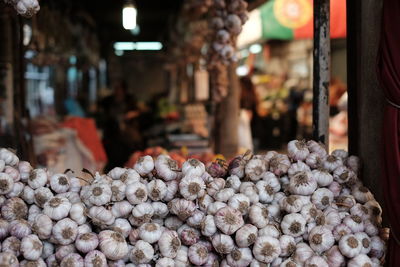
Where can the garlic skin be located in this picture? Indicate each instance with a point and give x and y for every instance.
(37, 178)
(157, 190)
(100, 194)
(360, 261)
(14, 209)
(268, 187)
(196, 219)
(77, 213)
(121, 209)
(28, 195)
(193, 167)
(323, 177)
(113, 245)
(59, 183)
(65, 231)
(365, 242)
(228, 220)
(350, 246)
(334, 257)
(270, 230)
(57, 208)
(223, 244)
(316, 261)
(198, 254)
(266, 249)
(166, 167)
(297, 150)
(142, 252)
(246, 235)
(224, 195)
(42, 195)
(150, 232)
(322, 198)
(293, 224)
(259, 215)
(172, 223)
(42, 226)
(48, 250)
(192, 187)
(116, 173)
(188, 235)
(6, 183)
(19, 228)
(240, 257)
(303, 252)
(215, 185)
(208, 226)
(240, 202)
(169, 244)
(136, 193)
(118, 189)
(144, 165)
(16, 190)
(182, 208)
(288, 245)
(233, 182)
(302, 183)
(172, 188)
(101, 216)
(355, 223)
(331, 163)
(291, 204)
(31, 247)
(342, 174)
(130, 176)
(254, 169)
(165, 262)
(86, 242)
(298, 167)
(95, 258)
(321, 239)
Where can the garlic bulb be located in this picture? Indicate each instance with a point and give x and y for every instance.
(144, 165)
(302, 183)
(6, 183)
(266, 249)
(239, 257)
(142, 252)
(196, 219)
(223, 244)
(208, 226)
(188, 235)
(37, 178)
(150, 232)
(86, 242)
(116, 173)
(42, 226)
(331, 163)
(129, 177)
(288, 245)
(321, 239)
(233, 182)
(355, 223)
(246, 235)
(100, 194)
(65, 231)
(298, 167)
(198, 254)
(59, 183)
(182, 208)
(279, 164)
(193, 167)
(377, 247)
(169, 244)
(118, 189)
(362, 194)
(42, 195)
(240, 202)
(293, 224)
(224, 195)
(136, 193)
(360, 261)
(316, 261)
(166, 167)
(113, 245)
(72, 259)
(268, 187)
(254, 169)
(101, 216)
(95, 258)
(291, 204)
(228, 220)
(192, 187)
(259, 215)
(57, 208)
(322, 198)
(31, 247)
(13, 209)
(350, 246)
(297, 150)
(77, 213)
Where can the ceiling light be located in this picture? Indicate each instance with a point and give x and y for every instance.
(129, 46)
(129, 15)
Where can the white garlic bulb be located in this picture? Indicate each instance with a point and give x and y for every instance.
(86, 242)
(144, 165)
(166, 167)
(37, 178)
(31, 247)
(42, 195)
(259, 215)
(118, 189)
(150, 232)
(350, 246)
(59, 183)
(142, 252)
(192, 187)
(266, 249)
(293, 224)
(288, 245)
(223, 244)
(6, 183)
(316, 261)
(65, 231)
(254, 169)
(113, 245)
(42, 226)
(57, 208)
(239, 257)
(13, 209)
(228, 220)
(360, 261)
(77, 213)
(130, 176)
(169, 244)
(136, 193)
(198, 254)
(302, 183)
(208, 226)
(297, 150)
(321, 239)
(193, 167)
(95, 258)
(156, 189)
(99, 194)
(246, 235)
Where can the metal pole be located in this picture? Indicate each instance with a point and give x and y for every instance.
(322, 50)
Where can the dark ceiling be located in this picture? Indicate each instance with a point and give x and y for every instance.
(154, 17)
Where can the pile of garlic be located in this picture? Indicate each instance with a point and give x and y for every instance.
(304, 209)
(26, 8)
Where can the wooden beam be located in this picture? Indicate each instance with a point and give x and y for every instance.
(322, 50)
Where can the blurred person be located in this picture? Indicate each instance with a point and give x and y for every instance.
(336, 90)
(248, 109)
(121, 133)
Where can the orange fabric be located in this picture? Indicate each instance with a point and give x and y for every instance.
(87, 132)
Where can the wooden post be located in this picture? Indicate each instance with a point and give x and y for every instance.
(322, 50)
(228, 117)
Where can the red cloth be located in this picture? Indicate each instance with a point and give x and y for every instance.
(389, 74)
(87, 133)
